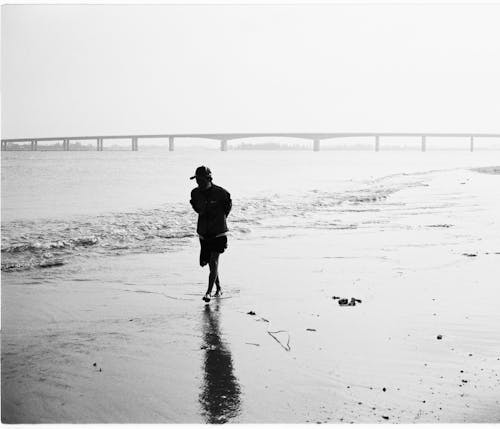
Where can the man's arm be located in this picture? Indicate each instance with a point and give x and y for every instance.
(228, 204)
(198, 204)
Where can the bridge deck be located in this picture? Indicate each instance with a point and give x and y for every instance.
(234, 136)
(225, 137)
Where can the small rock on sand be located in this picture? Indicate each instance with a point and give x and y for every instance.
(439, 337)
(311, 329)
(251, 313)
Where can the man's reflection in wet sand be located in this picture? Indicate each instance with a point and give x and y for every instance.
(220, 395)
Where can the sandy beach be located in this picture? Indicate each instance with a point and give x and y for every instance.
(127, 339)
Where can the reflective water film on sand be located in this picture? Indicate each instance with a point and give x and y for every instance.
(220, 392)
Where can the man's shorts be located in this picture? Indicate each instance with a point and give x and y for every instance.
(217, 244)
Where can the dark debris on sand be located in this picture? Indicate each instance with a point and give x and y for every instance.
(345, 302)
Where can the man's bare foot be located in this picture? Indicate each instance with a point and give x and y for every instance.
(218, 292)
(206, 297)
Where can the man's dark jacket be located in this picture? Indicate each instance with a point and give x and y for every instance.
(213, 206)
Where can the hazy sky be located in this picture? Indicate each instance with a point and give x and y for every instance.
(93, 69)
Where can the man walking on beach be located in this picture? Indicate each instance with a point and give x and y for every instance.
(213, 204)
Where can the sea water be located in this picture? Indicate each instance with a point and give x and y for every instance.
(61, 208)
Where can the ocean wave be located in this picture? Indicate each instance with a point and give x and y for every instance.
(42, 247)
(487, 170)
(52, 243)
(31, 264)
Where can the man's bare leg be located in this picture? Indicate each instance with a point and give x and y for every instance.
(218, 291)
(213, 276)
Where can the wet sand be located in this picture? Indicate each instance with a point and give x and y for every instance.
(128, 339)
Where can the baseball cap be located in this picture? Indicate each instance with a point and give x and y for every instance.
(203, 172)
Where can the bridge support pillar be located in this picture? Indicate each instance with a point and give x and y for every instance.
(4, 145)
(424, 144)
(472, 143)
(223, 145)
(34, 145)
(377, 143)
(100, 144)
(171, 145)
(135, 145)
(66, 144)
(316, 145)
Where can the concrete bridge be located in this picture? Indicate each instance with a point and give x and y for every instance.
(223, 138)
